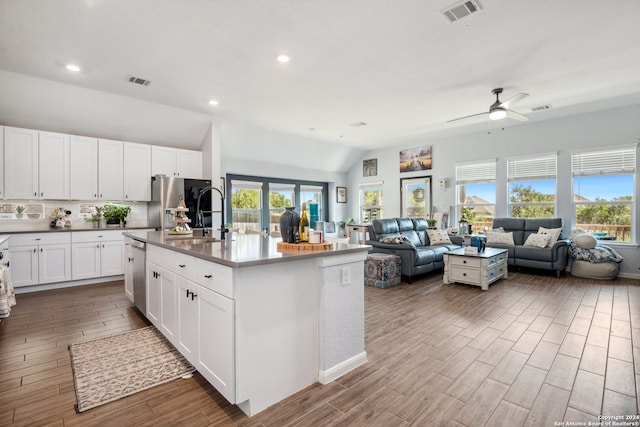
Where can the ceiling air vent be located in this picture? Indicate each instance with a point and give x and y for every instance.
(541, 107)
(139, 81)
(460, 10)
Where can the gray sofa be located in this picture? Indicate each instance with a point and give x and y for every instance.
(553, 258)
(418, 256)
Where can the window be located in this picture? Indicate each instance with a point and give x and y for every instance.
(248, 199)
(246, 205)
(603, 192)
(532, 186)
(476, 192)
(370, 196)
(416, 197)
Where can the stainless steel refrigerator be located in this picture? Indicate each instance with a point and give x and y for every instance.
(167, 191)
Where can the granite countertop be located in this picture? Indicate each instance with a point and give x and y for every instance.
(4, 238)
(239, 250)
(81, 227)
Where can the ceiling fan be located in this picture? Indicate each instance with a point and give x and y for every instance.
(499, 110)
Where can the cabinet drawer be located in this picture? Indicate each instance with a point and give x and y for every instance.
(176, 262)
(215, 277)
(467, 275)
(465, 261)
(495, 272)
(40, 239)
(96, 236)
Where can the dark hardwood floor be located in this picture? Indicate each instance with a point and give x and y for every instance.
(531, 351)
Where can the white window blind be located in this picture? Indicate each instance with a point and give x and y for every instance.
(315, 188)
(542, 167)
(606, 162)
(246, 185)
(476, 172)
(371, 186)
(273, 186)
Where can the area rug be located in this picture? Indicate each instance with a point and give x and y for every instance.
(107, 369)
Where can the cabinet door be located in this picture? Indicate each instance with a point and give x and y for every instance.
(110, 170)
(168, 305)
(53, 166)
(111, 258)
(189, 164)
(54, 263)
(24, 265)
(128, 270)
(215, 359)
(86, 260)
(83, 168)
(20, 163)
(163, 161)
(137, 172)
(2, 161)
(187, 318)
(153, 294)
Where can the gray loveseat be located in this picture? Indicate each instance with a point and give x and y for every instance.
(552, 258)
(417, 256)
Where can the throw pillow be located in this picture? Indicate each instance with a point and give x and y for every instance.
(585, 241)
(497, 230)
(499, 238)
(438, 237)
(538, 240)
(397, 240)
(553, 232)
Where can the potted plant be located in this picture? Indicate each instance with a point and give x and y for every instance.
(344, 223)
(96, 218)
(115, 214)
(432, 222)
(19, 211)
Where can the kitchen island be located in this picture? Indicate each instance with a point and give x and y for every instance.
(258, 323)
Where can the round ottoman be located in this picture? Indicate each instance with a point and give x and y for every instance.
(595, 270)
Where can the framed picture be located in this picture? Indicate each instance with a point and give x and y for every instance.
(415, 159)
(370, 167)
(341, 194)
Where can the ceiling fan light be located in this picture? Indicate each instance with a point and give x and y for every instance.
(497, 114)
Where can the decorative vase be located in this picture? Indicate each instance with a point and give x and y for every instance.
(289, 222)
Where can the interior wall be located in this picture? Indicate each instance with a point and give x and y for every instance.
(564, 136)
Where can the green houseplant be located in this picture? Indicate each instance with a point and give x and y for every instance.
(115, 214)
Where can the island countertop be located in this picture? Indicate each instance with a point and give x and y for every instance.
(238, 250)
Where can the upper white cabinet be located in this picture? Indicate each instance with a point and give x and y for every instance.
(2, 161)
(83, 168)
(176, 162)
(21, 163)
(110, 169)
(53, 177)
(137, 172)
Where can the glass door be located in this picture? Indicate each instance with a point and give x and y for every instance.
(416, 197)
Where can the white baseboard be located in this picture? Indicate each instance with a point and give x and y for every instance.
(331, 374)
(61, 285)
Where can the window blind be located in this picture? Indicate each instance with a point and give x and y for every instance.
(542, 167)
(476, 172)
(606, 162)
(281, 187)
(246, 185)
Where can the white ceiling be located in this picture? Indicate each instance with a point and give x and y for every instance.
(398, 66)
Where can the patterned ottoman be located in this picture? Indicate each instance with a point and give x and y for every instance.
(382, 270)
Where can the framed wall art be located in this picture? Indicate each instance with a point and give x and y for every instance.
(370, 167)
(341, 194)
(415, 159)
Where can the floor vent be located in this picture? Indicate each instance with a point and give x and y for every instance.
(460, 10)
(139, 81)
(541, 107)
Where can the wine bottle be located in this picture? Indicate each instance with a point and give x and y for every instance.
(304, 223)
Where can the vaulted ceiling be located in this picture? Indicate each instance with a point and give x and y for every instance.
(363, 74)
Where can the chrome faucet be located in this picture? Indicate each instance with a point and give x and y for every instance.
(200, 213)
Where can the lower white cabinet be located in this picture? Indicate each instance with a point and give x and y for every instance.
(197, 320)
(128, 269)
(97, 254)
(40, 258)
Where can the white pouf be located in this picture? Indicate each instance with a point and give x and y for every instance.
(595, 270)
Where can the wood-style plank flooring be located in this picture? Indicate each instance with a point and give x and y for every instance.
(531, 351)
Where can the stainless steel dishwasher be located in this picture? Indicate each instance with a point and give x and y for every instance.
(139, 252)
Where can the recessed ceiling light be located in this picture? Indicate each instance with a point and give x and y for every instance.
(73, 67)
(213, 102)
(283, 57)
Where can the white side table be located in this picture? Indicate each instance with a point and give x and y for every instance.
(360, 228)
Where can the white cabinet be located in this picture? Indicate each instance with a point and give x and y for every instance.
(20, 163)
(176, 162)
(137, 172)
(110, 169)
(39, 258)
(168, 304)
(187, 342)
(83, 168)
(128, 269)
(97, 254)
(53, 160)
(2, 161)
(153, 294)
